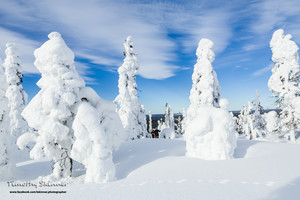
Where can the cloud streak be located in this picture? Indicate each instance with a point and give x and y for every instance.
(95, 30)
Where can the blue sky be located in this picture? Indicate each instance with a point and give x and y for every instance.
(165, 36)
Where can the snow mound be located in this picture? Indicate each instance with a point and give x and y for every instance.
(211, 135)
(168, 133)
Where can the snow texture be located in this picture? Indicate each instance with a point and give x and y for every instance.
(284, 81)
(50, 112)
(15, 93)
(210, 130)
(131, 112)
(7, 164)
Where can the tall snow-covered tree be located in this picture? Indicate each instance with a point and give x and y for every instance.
(284, 81)
(169, 117)
(15, 93)
(258, 121)
(183, 123)
(150, 122)
(6, 155)
(205, 89)
(241, 121)
(130, 110)
(51, 112)
(179, 124)
(210, 132)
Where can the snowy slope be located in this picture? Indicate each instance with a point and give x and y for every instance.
(158, 169)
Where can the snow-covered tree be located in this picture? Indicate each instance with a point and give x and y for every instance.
(150, 122)
(169, 117)
(98, 131)
(159, 124)
(183, 123)
(205, 89)
(272, 122)
(6, 158)
(248, 124)
(258, 121)
(131, 113)
(241, 121)
(179, 124)
(284, 81)
(51, 111)
(15, 93)
(210, 132)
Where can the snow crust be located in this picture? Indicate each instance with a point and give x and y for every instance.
(157, 169)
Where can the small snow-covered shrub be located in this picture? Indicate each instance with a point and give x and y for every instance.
(168, 133)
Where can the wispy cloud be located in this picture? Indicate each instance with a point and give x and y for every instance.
(26, 47)
(262, 71)
(269, 15)
(95, 30)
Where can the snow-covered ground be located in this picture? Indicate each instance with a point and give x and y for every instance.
(159, 169)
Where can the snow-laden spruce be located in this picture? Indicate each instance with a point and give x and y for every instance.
(210, 131)
(169, 117)
(98, 131)
(150, 122)
(50, 112)
(205, 89)
(183, 122)
(258, 121)
(130, 110)
(168, 127)
(179, 125)
(7, 164)
(15, 93)
(284, 81)
(272, 122)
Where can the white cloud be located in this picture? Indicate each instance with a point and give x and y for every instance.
(262, 71)
(26, 47)
(270, 15)
(95, 30)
